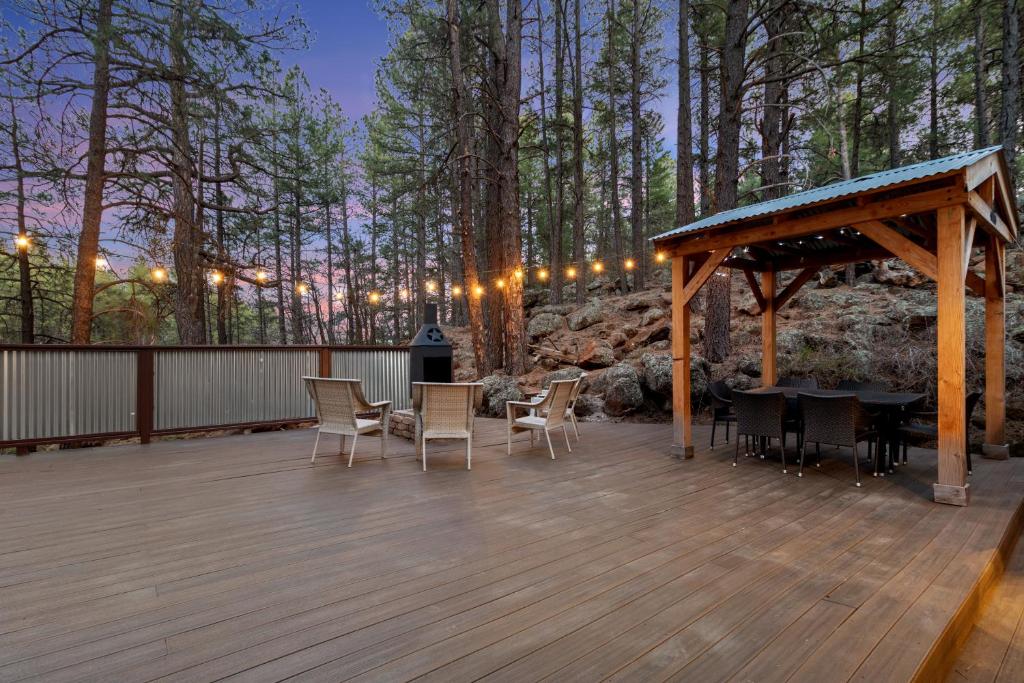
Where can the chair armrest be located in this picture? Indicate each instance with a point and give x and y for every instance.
(521, 404)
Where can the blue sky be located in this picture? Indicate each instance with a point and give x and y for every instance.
(349, 38)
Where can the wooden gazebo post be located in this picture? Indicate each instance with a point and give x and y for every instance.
(952, 486)
(769, 355)
(995, 446)
(682, 419)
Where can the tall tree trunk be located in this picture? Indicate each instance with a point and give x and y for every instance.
(351, 296)
(189, 309)
(892, 121)
(858, 94)
(24, 266)
(95, 178)
(298, 307)
(554, 241)
(558, 230)
(329, 239)
(980, 77)
(718, 308)
(1009, 112)
(684, 125)
(774, 123)
(636, 212)
(706, 204)
(613, 151)
(933, 83)
(505, 80)
(226, 287)
(579, 252)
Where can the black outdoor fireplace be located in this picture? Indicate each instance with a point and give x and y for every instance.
(430, 354)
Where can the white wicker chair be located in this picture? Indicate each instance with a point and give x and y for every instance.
(339, 403)
(550, 414)
(445, 411)
(570, 410)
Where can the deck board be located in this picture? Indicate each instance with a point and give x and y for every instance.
(234, 557)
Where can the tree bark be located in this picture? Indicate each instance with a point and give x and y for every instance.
(554, 241)
(579, 252)
(706, 204)
(465, 203)
(980, 77)
(24, 265)
(684, 126)
(95, 178)
(718, 308)
(636, 212)
(1009, 112)
(613, 152)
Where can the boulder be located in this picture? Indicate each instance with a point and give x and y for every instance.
(617, 339)
(564, 373)
(544, 324)
(651, 315)
(589, 314)
(749, 366)
(596, 354)
(497, 390)
(657, 373)
(659, 331)
(622, 391)
(558, 309)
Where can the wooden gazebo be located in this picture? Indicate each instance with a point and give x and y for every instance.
(932, 215)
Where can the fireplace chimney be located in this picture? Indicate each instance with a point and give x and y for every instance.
(430, 353)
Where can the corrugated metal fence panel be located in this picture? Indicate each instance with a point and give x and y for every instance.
(231, 386)
(56, 394)
(385, 373)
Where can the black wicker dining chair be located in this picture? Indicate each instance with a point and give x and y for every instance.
(857, 385)
(926, 427)
(798, 382)
(760, 415)
(721, 408)
(836, 421)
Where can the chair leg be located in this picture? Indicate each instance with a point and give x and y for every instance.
(856, 463)
(509, 449)
(714, 426)
(969, 468)
(817, 454)
(547, 435)
(803, 452)
(727, 431)
(383, 442)
(782, 452)
(355, 437)
(423, 454)
(317, 443)
(736, 454)
(575, 426)
(469, 453)
(565, 433)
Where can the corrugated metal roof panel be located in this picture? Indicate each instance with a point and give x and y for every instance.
(873, 181)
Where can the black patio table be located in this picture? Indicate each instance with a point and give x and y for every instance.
(889, 405)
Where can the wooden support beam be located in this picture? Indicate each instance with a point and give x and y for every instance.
(769, 374)
(995, 351)
(952, 486)
(682, 418)
(793, 287)
(991, 170)
(726, 236)
(703, 273)
(989, 217)
(972, 224)
(755, 288)
(919, 258)
(975, 283)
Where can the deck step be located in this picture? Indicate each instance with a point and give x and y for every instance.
(994, 651)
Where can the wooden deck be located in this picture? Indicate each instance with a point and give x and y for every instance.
(235, 558)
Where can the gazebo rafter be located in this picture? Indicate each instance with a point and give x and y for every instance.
(932, 215)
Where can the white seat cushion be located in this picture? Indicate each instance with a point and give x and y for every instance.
(530, 421)
(362, 424)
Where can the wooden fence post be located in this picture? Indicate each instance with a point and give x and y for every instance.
(325, 362)
(144, 369)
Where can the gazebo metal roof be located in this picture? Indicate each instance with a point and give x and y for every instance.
(845, 188)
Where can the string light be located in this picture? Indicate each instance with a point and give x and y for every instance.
(339, 296)
(570, 273)
(403, 294)
(216, 277)
(499, 283)
(478, 291)
(660, 257)
(374, 298)
(261, 276)
(518, 273)
(456, 290)
(102, 263)
(542, 275)
(159, 274)
(431, 286)
(22, 242)
(630, 264)
(597, 266)
(302, 289)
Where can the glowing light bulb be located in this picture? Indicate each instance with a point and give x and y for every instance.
(262, 276)
(403, 294)
(499, 283)
(302, 288)
(630, 264)
(22, 242)
(158, 274)
(478, 291)
(518, 273)
(542, 274)
(456, 290)
(570, 273)
(597, 266)
(102, 263)
(374, 298)
(431, 286)
(660, 257)
(217, 277)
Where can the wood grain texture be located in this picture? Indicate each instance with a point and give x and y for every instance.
(235, 558)
(951, 345)
(995, 343)
(769, 357)
(682, 411)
